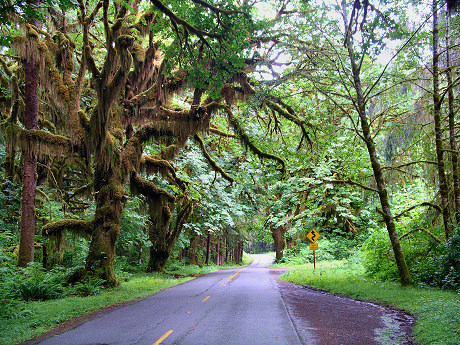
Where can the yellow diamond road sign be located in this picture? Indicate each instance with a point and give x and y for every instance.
(313, 235)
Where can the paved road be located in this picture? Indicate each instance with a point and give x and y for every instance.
(234, 306)
(247, 306)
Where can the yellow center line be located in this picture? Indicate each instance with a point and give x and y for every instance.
(163, 337)
(205, 299)
(231, 277)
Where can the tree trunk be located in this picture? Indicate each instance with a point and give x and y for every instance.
(453, 144)
(443, 189)
(208, 248)
(109, 207)
(403, 270)
(29, 182)
(218, 255)
(161, 232)
(160, 217)
(278, 239)
(193, 260)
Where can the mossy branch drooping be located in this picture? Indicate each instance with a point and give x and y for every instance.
(244, 138)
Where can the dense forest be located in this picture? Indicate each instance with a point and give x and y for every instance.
(138, 135)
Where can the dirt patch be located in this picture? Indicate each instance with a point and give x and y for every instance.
(339, 320)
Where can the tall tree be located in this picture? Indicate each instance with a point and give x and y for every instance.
(29, 150)
(451, 7)
(360, 107)
(437, 104)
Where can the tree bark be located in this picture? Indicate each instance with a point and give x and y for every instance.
(193, 259)
(163, 234)
(29, 182)
(443, 189)
(403, 270)
(158, 234)
(109, 207)
(451, 115)
(278, 239)
(208, 248)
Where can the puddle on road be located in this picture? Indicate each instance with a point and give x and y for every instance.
(397, 325)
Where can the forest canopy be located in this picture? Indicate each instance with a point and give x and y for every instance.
(140, 133)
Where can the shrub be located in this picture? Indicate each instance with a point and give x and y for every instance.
(88, 287)
(377, 256)
(34, 289)
(430, 263)
(442, 267)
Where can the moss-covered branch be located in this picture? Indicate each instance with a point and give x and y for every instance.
(428, 204)
(218, 10)
(244, 138)
(76, 226)
(190, 28)
(163, 167)
(46, 141)
(148, 188)
(215, 130)
(353, 183)
(433, 236)
(211, 161)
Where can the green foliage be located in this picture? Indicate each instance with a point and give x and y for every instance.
(333, 248)
(33, 283)
(36, 283)
(92, 286)
(430, 262)
(9, 209)
(441, 267)
(133, 242)
(377, 256)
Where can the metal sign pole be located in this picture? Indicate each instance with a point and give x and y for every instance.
(314, 259)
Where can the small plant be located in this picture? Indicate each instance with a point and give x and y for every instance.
(13, 309)
(89, 287)
(34, 289)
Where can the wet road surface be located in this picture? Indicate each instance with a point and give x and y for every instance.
(244, 306)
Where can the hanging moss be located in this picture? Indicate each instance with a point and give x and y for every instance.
(55, 232)
(46, 142)
(82, 228)
(148, 189)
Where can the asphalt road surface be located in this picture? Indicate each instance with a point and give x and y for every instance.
(244, 306)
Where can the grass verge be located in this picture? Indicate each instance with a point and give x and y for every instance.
(437, 311)
(24, 320)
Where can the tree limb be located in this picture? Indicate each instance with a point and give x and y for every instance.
(148, 188)
(77, 226)
(429, 204)
(245, 138)
(212, 162)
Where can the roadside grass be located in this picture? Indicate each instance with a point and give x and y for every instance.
(437, 311)
(21, 320)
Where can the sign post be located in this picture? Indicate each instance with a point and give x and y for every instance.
(313, 235)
